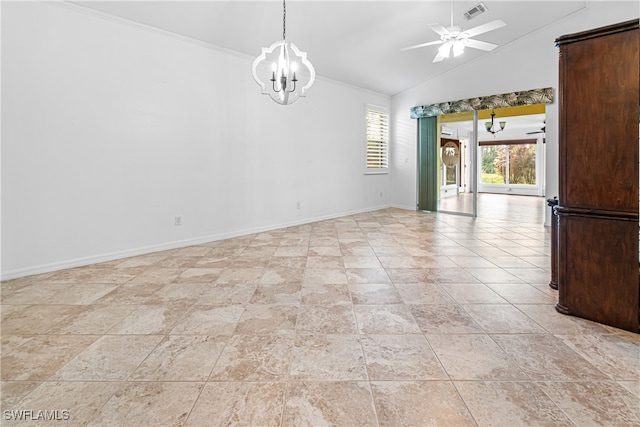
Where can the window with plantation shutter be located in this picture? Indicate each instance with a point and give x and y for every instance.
(377, 140)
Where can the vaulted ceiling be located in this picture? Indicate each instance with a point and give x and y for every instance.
(354, 42)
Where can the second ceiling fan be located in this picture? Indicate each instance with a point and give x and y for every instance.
(456, 38)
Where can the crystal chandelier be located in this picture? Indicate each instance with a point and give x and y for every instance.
(282, 70)
(490, 126)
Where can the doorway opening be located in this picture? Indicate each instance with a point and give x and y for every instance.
(472, 161)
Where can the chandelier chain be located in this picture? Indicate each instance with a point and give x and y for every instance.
(284, 19)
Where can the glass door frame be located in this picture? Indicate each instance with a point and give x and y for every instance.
(473, 173)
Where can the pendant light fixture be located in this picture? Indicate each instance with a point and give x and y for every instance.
(282, 70)
(490, 126)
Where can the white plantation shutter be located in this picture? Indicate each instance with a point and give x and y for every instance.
(377, 139)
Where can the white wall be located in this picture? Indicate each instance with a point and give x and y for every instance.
(109, 130)
(528, 63)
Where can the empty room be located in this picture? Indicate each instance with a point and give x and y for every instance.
(320, 213)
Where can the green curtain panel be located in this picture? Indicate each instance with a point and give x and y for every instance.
(428, 164)
(513, 99)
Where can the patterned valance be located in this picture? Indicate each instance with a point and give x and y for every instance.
(513, 99)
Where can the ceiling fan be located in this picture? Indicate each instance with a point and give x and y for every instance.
(457, 38)
(542, 129)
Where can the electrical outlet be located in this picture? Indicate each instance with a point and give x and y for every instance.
(298, 205)
(178, 220)
(381, 194)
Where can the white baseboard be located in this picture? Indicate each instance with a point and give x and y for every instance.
(405, 207)
(143, 250)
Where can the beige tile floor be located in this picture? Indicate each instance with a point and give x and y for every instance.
(388, 318)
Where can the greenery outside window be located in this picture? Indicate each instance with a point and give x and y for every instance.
(508, 164)
(377, 140)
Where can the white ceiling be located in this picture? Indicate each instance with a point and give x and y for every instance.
(355, 42)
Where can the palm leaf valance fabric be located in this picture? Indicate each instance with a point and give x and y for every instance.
(513, 99)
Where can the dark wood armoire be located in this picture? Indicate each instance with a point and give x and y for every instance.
(597, 212)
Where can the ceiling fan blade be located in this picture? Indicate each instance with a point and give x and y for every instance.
(438, 58)
(444, 49)
(442, 31)
(489, 26)
(422, 45)
(477, 44)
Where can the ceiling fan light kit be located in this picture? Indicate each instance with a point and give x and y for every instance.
(280, 65)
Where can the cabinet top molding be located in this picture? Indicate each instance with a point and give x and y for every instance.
(598, 32)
